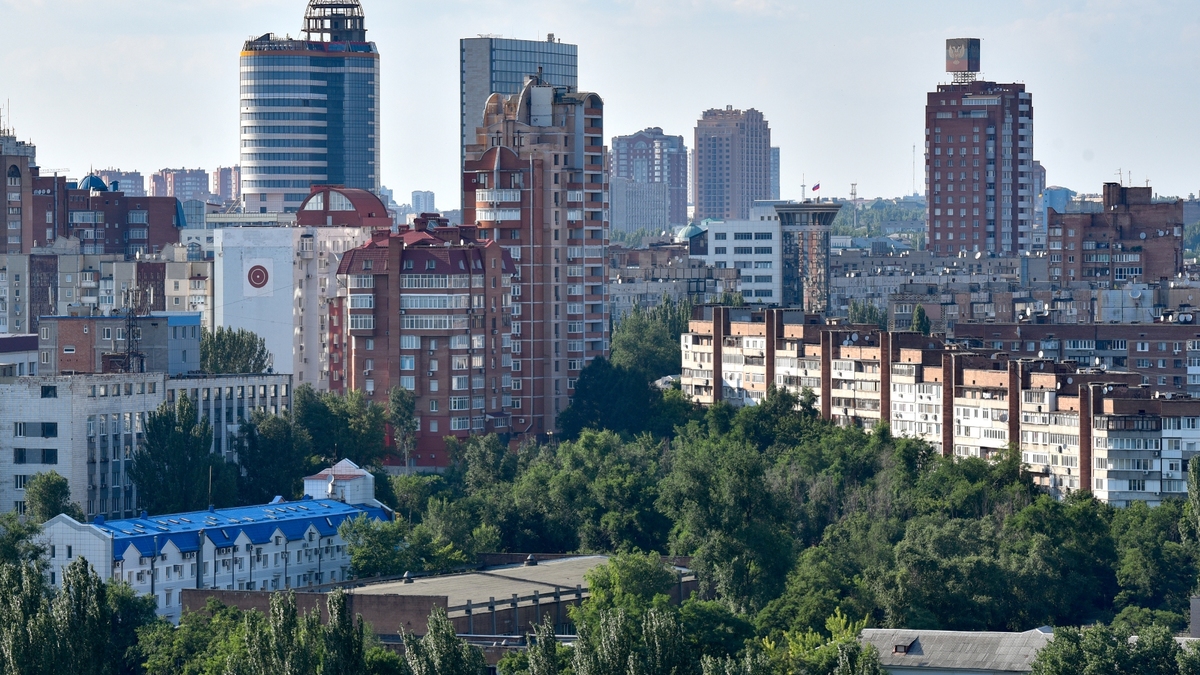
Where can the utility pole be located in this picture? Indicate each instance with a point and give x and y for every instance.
(854, 202)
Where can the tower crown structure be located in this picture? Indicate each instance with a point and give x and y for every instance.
(334, 21)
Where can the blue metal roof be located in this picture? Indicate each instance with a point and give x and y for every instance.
(223, 526)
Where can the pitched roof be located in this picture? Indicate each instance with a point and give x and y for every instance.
(224, 526)
(957, 650)
(343, 470)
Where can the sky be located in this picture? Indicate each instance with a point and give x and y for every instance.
(148, 84)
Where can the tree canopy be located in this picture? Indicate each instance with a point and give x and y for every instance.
(48, 495)
(175, 469)
(233, 351)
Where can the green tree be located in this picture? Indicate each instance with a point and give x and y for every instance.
(288, 643)
(606, 647)
(866, 312)
(82, 620)
(633, 583)
(729, 518)
(129, 613)
(345, 645)
(174, 468)
(342, 426)
(47, 495)
(375, 547)
(233, 351)
(644, 343)
(402, 416)
(440, 651)
(28, 643)
(611, 397)
(920, 321)
(274, 454)
(19, 541)
(204, 643)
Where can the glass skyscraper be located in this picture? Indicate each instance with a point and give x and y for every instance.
(494, 65)
(310, 109)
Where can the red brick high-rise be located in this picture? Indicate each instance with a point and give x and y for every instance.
(979, 169)
(428, 309)
(535, 180)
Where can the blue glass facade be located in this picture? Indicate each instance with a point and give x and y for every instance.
(491, 65)
(309, 116)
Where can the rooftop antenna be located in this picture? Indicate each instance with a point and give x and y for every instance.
(914, 169)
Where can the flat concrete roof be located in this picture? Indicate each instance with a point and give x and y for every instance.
(500, 582)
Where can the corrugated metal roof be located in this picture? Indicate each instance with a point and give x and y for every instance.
(224, 526)
(957, 650)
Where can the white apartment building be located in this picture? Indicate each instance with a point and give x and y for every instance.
(277, 282)
(254, 548)
(753, 247)
(87, 427)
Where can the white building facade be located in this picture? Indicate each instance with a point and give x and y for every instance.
(753, 247)
(261, 548)
(277, 282)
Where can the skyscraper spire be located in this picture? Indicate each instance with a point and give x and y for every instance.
(334, 21)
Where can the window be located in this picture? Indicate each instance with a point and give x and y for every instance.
(408, 362)
(719, 236)
(460, 383)
(407, 342)
(742, 236)
(1143, 346)
(743, 250)
(362, 301)
(460, 423)
(762, 250)
(762, 236)
(362, 322)
(49, 392)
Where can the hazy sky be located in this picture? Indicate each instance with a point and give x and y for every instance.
(147, 84)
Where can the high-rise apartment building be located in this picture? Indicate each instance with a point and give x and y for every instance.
(979, 174)
(775, 174)
(427, 309)
(182, 184)
(130, 182)
(227, 183)
(423, 202)
(310, 109)
(535, 180)
(650, 156)
(18, 160)
(495, 65)
(733, 163)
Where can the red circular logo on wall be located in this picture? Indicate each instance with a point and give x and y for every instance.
(257, 276)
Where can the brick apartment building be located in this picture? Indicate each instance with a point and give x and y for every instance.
(1134, 239)
(979, 173)
(429, 309)
(1165, 356)
(535, 180)
(732, 163)
(1076, 427)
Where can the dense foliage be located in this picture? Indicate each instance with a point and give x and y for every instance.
(791, 520)
(175, 470)
(233, 351)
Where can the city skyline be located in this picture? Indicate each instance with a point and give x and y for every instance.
(872, 76)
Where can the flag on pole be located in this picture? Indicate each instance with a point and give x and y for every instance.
(816, 187)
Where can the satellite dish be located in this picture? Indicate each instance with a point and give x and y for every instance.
(978, 255)
(1135, 294)
(1041, 354)
(845, 343)
(1058, 385)
(1142, 235)
(854, 337)
(1070, 380)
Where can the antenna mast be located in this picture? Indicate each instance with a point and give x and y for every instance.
(135, 307)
